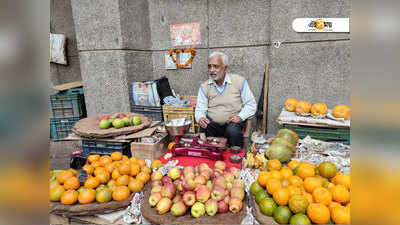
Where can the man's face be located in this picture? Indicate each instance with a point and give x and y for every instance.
(216, 69)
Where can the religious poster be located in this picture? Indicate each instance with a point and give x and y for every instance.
(185, 34)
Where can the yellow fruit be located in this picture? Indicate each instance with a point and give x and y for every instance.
(298, 204)
(286, 172)
(327, 169)
(272, 185)
(115, 174)
(293, 164)
(340, 215)
(308, 197)
(123, 180)
(303, 107)
(89, 169)
(135, 169)
(109, 167)
(322, 195)
(290, 104)
(64, 175)
(311, 183)
(318, 213)
(295, 180)
(144, 177)
(262, 178)
(56, 193)
(333, 205)
(92, 182)
(146, 169)
(121, 193)
(276, 174)
(295, 190)
(54, 184)
(319, 109)
(133, 159)
(341, 111)
(71, 184)
(135, 185)
(281, 196)
(305, 170)
(342, 179)
(103, 177)
(156, 164)
(124, 169)
(93, 158)
(116, 156)
(69, 197)
(340, 194)
(274, 164)
(141, 162)
(104, 195)
(87, 196)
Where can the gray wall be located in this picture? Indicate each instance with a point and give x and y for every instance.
(122, 41)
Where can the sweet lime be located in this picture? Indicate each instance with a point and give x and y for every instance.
(299, 219)
(282, 214)
(255, 187)
(267, 206)
(261, 195)
(327, 169)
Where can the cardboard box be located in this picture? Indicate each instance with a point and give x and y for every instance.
(150, 151)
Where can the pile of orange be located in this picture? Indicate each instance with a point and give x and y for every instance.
(327, 191)
(110, 177)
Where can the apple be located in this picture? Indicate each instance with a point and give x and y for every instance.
(156, 189)
(220, 181)
(200, 180)
(190, 175)
(237, 192)
(238, 183)
(202, 193)
(154, 198)
(189, 198)
(210, 184)
(177, 198)
(127, 121)
(198, 210)
(174, 173)
(187, 170)
(104, 124)
(226, 199)
(121, 115)
(156, 175)
(188, 184)
(211, 207)
(220, 165)
(218, 173)
(228, 177)
(203, 166)
(163, 205)
(217, 193)
(136, 121)
(156, 183)
(178, 209)
(206, 174)
(168, 190)
(229, 186)
(222, 207)
(118, 123)
(165, 180)
(178, 185)
(235, 205)
(234, 171)
(196, 170)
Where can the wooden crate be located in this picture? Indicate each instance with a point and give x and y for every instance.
(150, 151)
(171, 112)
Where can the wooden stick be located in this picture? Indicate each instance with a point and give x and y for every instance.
(265, 110)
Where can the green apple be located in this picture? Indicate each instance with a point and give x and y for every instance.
(127, 121)
(104, 124)
(118, 123)
(198, 210)
(136, 121)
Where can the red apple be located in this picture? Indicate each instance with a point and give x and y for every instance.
(165, 180)
(220, 181)
(202, 193)
(156, 183)
(211, 207)
(220, 165)
(187, 170)
(234, 171)
(174, 173)
(168, 191)
(156, 189)
(154, 198)
(164, 205)
(178, 185)
(226, 199)
(188, 184)
(237, 192)
(229, 177)
(189, 198)
(229, 186)
(222, 207)
(200, 180)
(206, 174)
(178, 209)
(235, 205)
(190, 176)
(203, 166)
(238, 183)
(217, 193)
(177, 198)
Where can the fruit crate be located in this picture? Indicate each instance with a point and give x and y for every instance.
(321, 133)
(150, 151)
(61, 128)
(105, 147)
(155, 113)
(173, 112)
(69, 103)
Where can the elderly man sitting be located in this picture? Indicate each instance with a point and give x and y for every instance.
(224, 102)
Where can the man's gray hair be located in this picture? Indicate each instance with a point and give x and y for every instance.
(224, 57)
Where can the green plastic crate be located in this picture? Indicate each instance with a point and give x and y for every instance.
(61, 128)
(321, 133)
(67, 104)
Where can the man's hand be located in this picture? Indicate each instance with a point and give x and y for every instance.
(204, 122)
(234, 119)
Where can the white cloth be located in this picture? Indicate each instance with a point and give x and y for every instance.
(286, 116)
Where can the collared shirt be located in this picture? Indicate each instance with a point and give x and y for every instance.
(249, 103)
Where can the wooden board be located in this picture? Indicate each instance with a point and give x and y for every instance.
(311, 124)
(67, 86)
(153, 217)
(269, 220)
(88, 127)
(88, 209)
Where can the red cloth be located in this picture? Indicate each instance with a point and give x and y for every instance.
(194, 161)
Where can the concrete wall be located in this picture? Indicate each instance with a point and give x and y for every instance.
(61, 22)
(122, 41)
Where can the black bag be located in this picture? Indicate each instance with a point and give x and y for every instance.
(260, 105)
(163, 88)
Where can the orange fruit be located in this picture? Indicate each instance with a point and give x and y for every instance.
(93, 158)
(98, 170)
(123, 180)
(87, 196)
(111, 183)
(71, 183)
(96, 164)
(290, 104)
(318, 213)
(133, 159)
(109, 167)
(144, 177)
(296, 181)
(121, 193)
(276, 174)
(104, 195)
(340, 194)
(105, 159)
(135, 185)
(281, 196)
(115, 174)
(146, 169)
(305, 170)
(341, 111)
(333, 205)
(295, 190)
(92, 182)
(156, 164)
(135, 169)
(327, 169)
(124, 169)
(293, 164)
(54, 184)
(125, 158)
(74, 171)
(56, 193)
(262, 178)
(88, 168)
(298, 203)
(286, 172)
(342, 179)
(308, 197)
(69, 197)
(64, 175)
(284, 182)
(340, 215)
(103, 177)
(322, 195)
(272, 185)
(141, 162)
(116, 156)
(274, 164)
(116, 164)
(311, 183)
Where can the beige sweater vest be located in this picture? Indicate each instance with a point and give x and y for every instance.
(222, 105)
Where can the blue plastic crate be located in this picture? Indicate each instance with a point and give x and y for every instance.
(153, 112)
(61, 128)
(105, 147)
(69, 103)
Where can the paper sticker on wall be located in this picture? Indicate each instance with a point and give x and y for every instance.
(169, 64)
(184, 57)
(185, 34)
